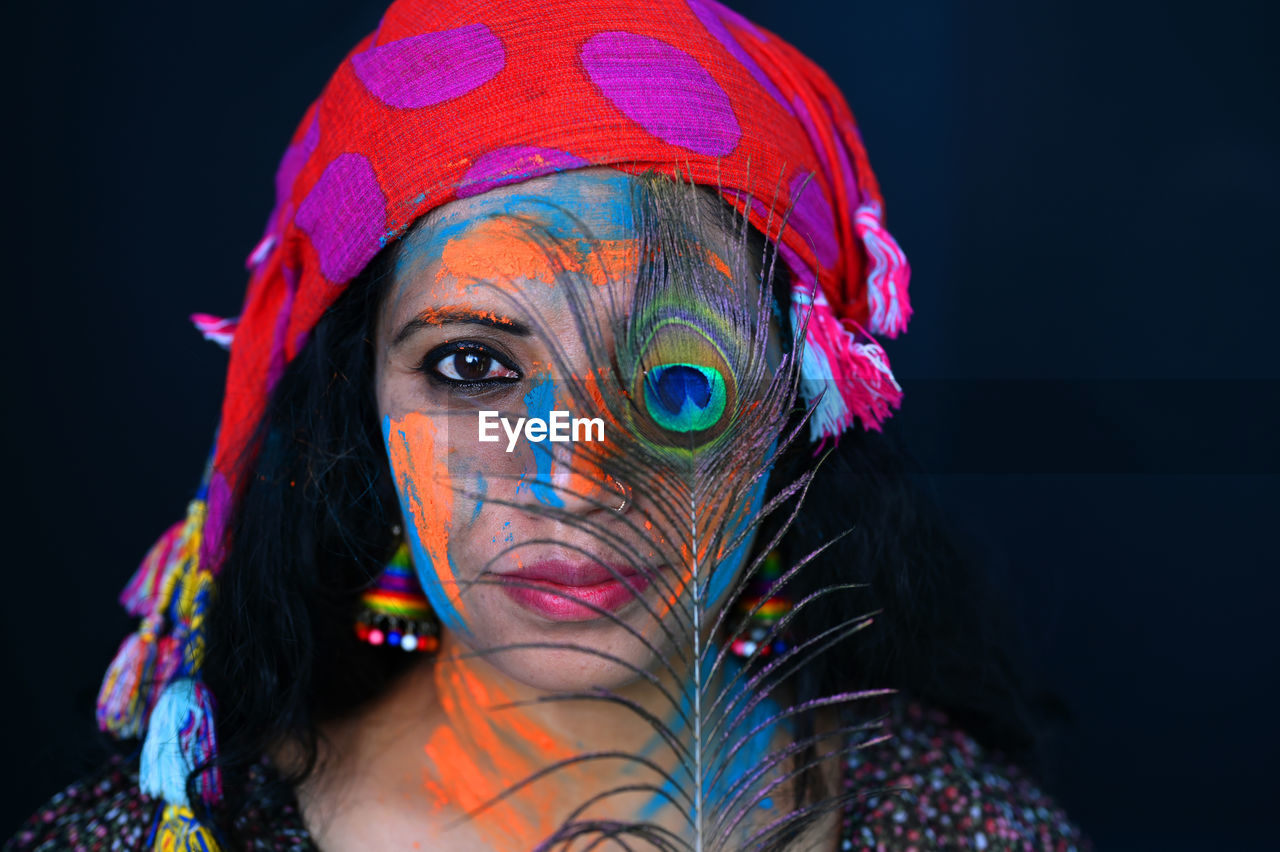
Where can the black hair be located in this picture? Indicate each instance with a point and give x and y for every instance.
(313, 528)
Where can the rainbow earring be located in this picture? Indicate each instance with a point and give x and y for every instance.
(754, 637)
(396, 613)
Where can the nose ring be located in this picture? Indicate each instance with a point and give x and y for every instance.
(624, 492)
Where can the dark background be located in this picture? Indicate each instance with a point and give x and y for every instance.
(1088, 195)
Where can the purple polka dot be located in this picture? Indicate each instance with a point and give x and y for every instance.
(432, 68)
(291, 164)
(512, 165)
(345, 216)
(664, 90)
(812, 218)
(709, 12)
(295, 157)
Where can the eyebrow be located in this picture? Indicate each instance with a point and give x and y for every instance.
(432, 317)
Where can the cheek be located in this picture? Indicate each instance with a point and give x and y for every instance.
(451, 489)
(417, 454)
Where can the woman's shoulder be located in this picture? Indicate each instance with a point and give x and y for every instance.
(927, 784)
(104, 810)
(107, 811)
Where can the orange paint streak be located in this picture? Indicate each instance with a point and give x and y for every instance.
(441, 314)
(592, 384)
(423, 477)
(479, 753)
(610, 260)
(502, 252)
(719, 264)
(498, 251)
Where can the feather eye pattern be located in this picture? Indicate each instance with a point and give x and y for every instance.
(700, 400)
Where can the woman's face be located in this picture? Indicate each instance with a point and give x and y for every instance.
(519, 541)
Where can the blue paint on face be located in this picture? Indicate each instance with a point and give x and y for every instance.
(424, 566)
(482, 487)
(727, 571)
(539, 402)
(576, 209)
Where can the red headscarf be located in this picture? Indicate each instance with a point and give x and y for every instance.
(449, 98)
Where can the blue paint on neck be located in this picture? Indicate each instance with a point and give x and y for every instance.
(746, 760)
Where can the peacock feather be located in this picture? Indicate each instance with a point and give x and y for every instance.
(700, 400)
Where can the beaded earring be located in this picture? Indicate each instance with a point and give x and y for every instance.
(759, 624)
(396, 612)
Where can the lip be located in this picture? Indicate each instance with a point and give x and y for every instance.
(572, 591)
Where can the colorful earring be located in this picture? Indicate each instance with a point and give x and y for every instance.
(755, 636)
(396, 612)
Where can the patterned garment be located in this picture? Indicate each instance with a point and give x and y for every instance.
(929, 786)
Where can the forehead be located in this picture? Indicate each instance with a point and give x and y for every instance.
(511, 246)
(579, 209)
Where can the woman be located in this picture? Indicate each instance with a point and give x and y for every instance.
(655, 220)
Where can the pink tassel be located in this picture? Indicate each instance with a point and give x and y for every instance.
(119, 709)
(220, 331)
(168, 657)
(260, 252)
(889, 275)
(142, 595)
(846, 378)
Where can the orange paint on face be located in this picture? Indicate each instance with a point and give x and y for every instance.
(593, 383)
(502, 252)
(426, 498)
(609, 260)
(720, 266)
(497, 251)
(441, 314)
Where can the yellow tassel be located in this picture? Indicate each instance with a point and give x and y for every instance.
(180, 832)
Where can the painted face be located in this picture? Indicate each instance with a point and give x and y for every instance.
(500, 329)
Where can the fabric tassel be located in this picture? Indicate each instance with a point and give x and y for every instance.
(168, 659)
(841, 376)
(179, 831)
(141, 597)
(120, 709)
(260, 252)
(220, 331)
(180, 736)
(147, 658)
(889, 274)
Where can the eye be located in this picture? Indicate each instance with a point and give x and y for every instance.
(468, 363)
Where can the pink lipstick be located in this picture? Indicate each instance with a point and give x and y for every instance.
(561, 591)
